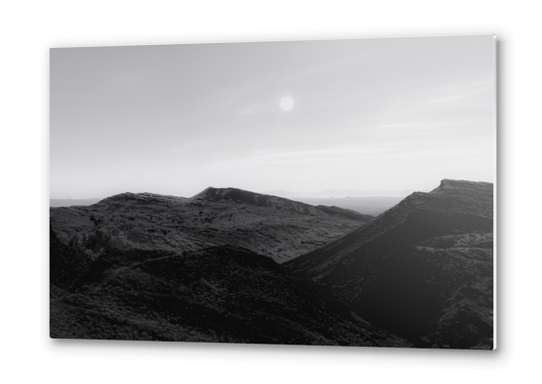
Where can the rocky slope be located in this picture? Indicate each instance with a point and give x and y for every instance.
(423, 269)
(268, 225)
(66, 265)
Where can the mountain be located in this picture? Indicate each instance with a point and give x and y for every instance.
(422, 270)
(267, 225)
(217, 294)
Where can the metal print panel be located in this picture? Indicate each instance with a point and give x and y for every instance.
(333, 192)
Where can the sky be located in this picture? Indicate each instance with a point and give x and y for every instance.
(306, 116)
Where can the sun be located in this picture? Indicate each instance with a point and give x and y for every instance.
(286, 103)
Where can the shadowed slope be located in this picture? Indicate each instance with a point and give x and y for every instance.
(220, 294)
(423, 269)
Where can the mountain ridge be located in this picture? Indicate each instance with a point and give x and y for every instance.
(269, 225)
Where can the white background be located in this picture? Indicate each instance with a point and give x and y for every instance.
(29, 28)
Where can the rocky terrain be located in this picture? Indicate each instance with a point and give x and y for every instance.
(267, 225)
(219, 294)
(423, 269)
(212, 268)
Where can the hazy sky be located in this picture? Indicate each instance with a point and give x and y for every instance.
(367, 114)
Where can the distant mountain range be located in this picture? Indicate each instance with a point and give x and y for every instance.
(339, 193)
(370, 205)
(72, 202)
(229, 265)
